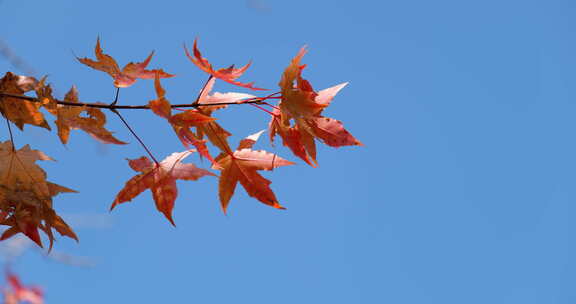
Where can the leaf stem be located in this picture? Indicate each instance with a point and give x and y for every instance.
(113, 109)
(115, 98)
(196, 102)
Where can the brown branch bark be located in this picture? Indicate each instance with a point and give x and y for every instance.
(257, 100)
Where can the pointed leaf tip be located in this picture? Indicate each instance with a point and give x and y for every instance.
(129, 74)
(227, 74)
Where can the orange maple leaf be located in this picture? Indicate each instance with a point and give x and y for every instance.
(300, 143)
(160, 179)
(69, 117)
(182, 122)
(227, 74)
(302, 104)
(200, 118)
(128, 75)
(26, 196)
(16, 292)
(242, 166)
(20, 111)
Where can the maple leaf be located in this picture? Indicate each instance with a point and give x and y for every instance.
(301, 144)
(160, 179)
(26, 195)
(299, 102)
(128, 75)
(200, 118)
(242, 166)
(332, 132)
(217, 135)
(181, 122)
(20, 111)
(69, 117)
(16, 292)
(227, 74)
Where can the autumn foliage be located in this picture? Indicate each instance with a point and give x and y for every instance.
(296, 116)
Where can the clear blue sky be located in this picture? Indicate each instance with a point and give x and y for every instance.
(465, 191)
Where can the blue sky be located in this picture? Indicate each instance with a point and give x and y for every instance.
(465, 191)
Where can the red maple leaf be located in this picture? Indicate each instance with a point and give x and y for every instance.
(228, 74)
(182, 122)
(160, 179)
(302, 104)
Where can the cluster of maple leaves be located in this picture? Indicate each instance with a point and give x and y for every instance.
(26, 195)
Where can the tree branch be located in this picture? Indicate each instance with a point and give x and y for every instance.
(257, 100)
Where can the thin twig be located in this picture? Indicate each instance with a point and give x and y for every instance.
(261, 108)
(134, 134)
(267, 97)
